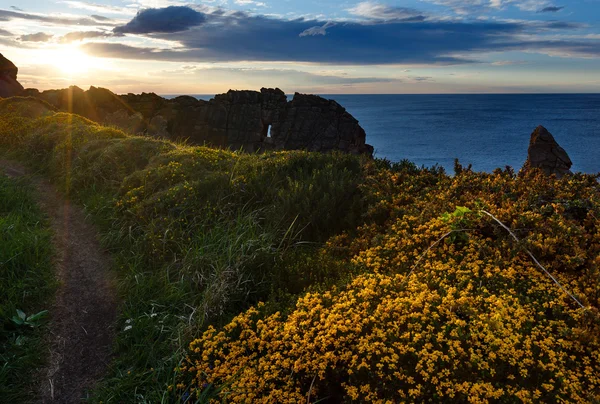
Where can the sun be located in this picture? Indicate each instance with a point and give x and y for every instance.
(73, 61)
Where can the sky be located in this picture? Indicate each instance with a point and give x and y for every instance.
(312, 46)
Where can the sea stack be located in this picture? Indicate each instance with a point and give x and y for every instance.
(545, 153)
(9, 86)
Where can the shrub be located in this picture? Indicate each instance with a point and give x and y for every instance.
(468, 319)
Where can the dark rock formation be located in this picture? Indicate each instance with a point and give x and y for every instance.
(248, 120)
(546, 154)
(314, 123)
(9, 86)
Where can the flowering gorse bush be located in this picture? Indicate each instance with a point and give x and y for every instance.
(468, 319)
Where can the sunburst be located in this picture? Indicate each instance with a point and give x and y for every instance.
(73, 61)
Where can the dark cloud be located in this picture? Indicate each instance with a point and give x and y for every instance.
(162, 20)
(5, 33)
(224, 37)
(81, 35)
(120, 51)
(550, 9)
(38, 37)
(562, 25)
(16, 8)
(6, 15)
(257, 38)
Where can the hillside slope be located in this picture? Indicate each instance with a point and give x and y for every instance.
(304, 277)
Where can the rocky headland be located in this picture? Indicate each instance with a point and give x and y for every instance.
(248, 120)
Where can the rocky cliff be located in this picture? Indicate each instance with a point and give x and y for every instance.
(9, 86)
(248, 120)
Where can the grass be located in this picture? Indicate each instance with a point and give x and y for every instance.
(27, 283)
(197, 234)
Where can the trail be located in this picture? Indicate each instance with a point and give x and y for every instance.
(84, 313)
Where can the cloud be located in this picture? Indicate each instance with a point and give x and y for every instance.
(296, 76)
(509, 63)
(120, 51)
(7, 15)
(162, 20)
(16, 8)
(38, 37)
(318, 30)
(81, 35)
(550, 9)
(468, 7)
(250, 3)
(553, 25)
(242, 37)
(163, 3)
(5, 33)
(422, 78)
(283, 78)
(559, 48)
(377, 11)
(100, 17)
(11, 43)
(237, 36)
(99, 8)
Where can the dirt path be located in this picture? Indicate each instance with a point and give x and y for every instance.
(84, 313)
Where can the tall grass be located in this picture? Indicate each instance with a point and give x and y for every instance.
(26, 283)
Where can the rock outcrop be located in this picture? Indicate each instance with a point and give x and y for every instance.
(9, 86)
(248, 120)
(314, 123)
(545, 153)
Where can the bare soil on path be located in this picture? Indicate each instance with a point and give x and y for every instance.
(84, 312)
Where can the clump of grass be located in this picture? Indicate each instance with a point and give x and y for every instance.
(27, 283)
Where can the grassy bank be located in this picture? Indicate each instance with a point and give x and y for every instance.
(27, 283)
(198, 234)
(298, 275)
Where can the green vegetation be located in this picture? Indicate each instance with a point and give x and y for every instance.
(26, 284)
(198, 234)
(295, 274)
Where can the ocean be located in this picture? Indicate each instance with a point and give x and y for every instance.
(487, 130)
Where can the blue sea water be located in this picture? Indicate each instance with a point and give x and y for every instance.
(487, 131)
